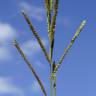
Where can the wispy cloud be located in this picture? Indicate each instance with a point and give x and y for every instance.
(5, 54)
(33, 11)
(7, 87)
(7, 32)
(31, 47)
(35, 87)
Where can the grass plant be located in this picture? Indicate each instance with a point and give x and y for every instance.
(51, 11)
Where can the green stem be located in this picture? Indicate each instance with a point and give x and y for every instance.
(53, 78)
(55, 87)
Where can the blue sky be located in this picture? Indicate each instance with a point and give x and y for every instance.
(77, 74)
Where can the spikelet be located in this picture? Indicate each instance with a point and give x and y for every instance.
(37, 37)
(47, 5)
(70, 45)
(51, 5)
(16, 44)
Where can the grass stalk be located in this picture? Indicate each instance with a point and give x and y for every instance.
(52, 11)
(48, 5)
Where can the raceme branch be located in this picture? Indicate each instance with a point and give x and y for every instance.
(16, 44)
(52, 28)
(37, 37)
(70, 45)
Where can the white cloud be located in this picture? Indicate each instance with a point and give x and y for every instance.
(7, 32)
(33, 11)
(35, 86)
(31, 47)
(5, 54)
(7, 87)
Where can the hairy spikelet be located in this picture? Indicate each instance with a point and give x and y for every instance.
(70, 45)
(16, 44)
(47, 5)
(37, 37)
(51, 5)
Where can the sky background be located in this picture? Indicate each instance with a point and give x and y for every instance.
(77, 74)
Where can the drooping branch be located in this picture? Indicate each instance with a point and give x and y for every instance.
(37, 37)
(16, 44)
(70, 45)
